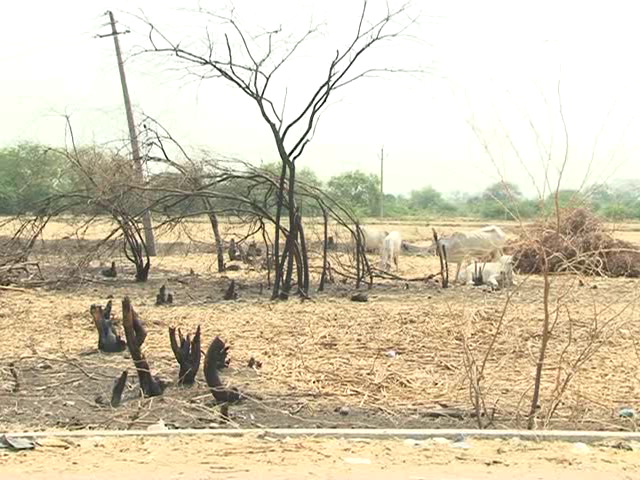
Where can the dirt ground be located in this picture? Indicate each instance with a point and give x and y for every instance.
(203, 457)
(400, 360)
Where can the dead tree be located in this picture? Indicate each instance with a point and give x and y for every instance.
(151, 386)
(187, 353)
(251, 64)
(108, 339)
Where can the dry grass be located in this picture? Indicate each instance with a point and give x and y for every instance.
(317, 355)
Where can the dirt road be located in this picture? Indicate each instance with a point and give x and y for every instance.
(252, 458)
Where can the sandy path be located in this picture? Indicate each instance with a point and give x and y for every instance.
(203, 457)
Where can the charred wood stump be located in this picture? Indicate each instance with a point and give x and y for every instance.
(110, 272)
(151, 386)
(234, 251)
(118, 388)
(108, 339)
(187, 353)
(215, 360)
(253, 250)
(164, 297)
(476, 277)
(231, 293)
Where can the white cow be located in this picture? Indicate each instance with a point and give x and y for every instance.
(391, 250)
(373, 239)
(461, 246)
(495, 274)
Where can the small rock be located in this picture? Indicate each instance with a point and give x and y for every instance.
(412, 442)
(594, 287)
(344, 411)
(440, 440)
(627, 412)
(392, 354)
(68, 403)
(157, 427)
(359, 297)
(580, 447)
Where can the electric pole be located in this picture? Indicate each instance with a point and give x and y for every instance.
(135, 149)
(382, 182)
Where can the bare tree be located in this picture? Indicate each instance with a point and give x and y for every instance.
(250, 64)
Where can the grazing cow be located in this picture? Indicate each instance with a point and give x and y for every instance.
(460, 246)
(373, 239)
(495, 274)
(390, 250)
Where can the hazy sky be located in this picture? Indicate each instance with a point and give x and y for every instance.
(487, 102)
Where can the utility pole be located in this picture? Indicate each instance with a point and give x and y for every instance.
(135, 149)
(382, 182)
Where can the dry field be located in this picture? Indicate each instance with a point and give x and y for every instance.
(397, 360)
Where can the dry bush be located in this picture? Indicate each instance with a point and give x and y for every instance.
(581, 245)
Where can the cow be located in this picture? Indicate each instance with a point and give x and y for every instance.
(390, 250)
(373, 239)
(495, 274)
(461, 246)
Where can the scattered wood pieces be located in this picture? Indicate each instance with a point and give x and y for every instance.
(253, 363)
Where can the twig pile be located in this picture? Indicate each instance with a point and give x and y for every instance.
(581, 245)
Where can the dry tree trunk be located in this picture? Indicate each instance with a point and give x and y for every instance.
(535, 400)
(305, 258)
(215, 226)
(149, 385)
(187, 354)
(276, 244)
(325, 246)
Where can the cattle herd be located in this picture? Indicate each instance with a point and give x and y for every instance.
(483, 247)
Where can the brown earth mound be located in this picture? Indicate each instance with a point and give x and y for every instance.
(581, 245)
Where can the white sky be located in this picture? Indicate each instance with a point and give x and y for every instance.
(494, 65)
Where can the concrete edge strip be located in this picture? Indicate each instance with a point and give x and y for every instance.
(379, 434)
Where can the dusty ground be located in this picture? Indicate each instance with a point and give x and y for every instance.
(203, 457)
(394, 361)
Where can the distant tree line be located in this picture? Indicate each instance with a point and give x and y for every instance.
(30, 173)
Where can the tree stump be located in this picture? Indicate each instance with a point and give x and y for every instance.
(108, 339)
(118, 388)
(234, 251)
(150, 386)
(231, 293)
(110, 272)
(164, 297)
(215, 360)
(187, 353)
